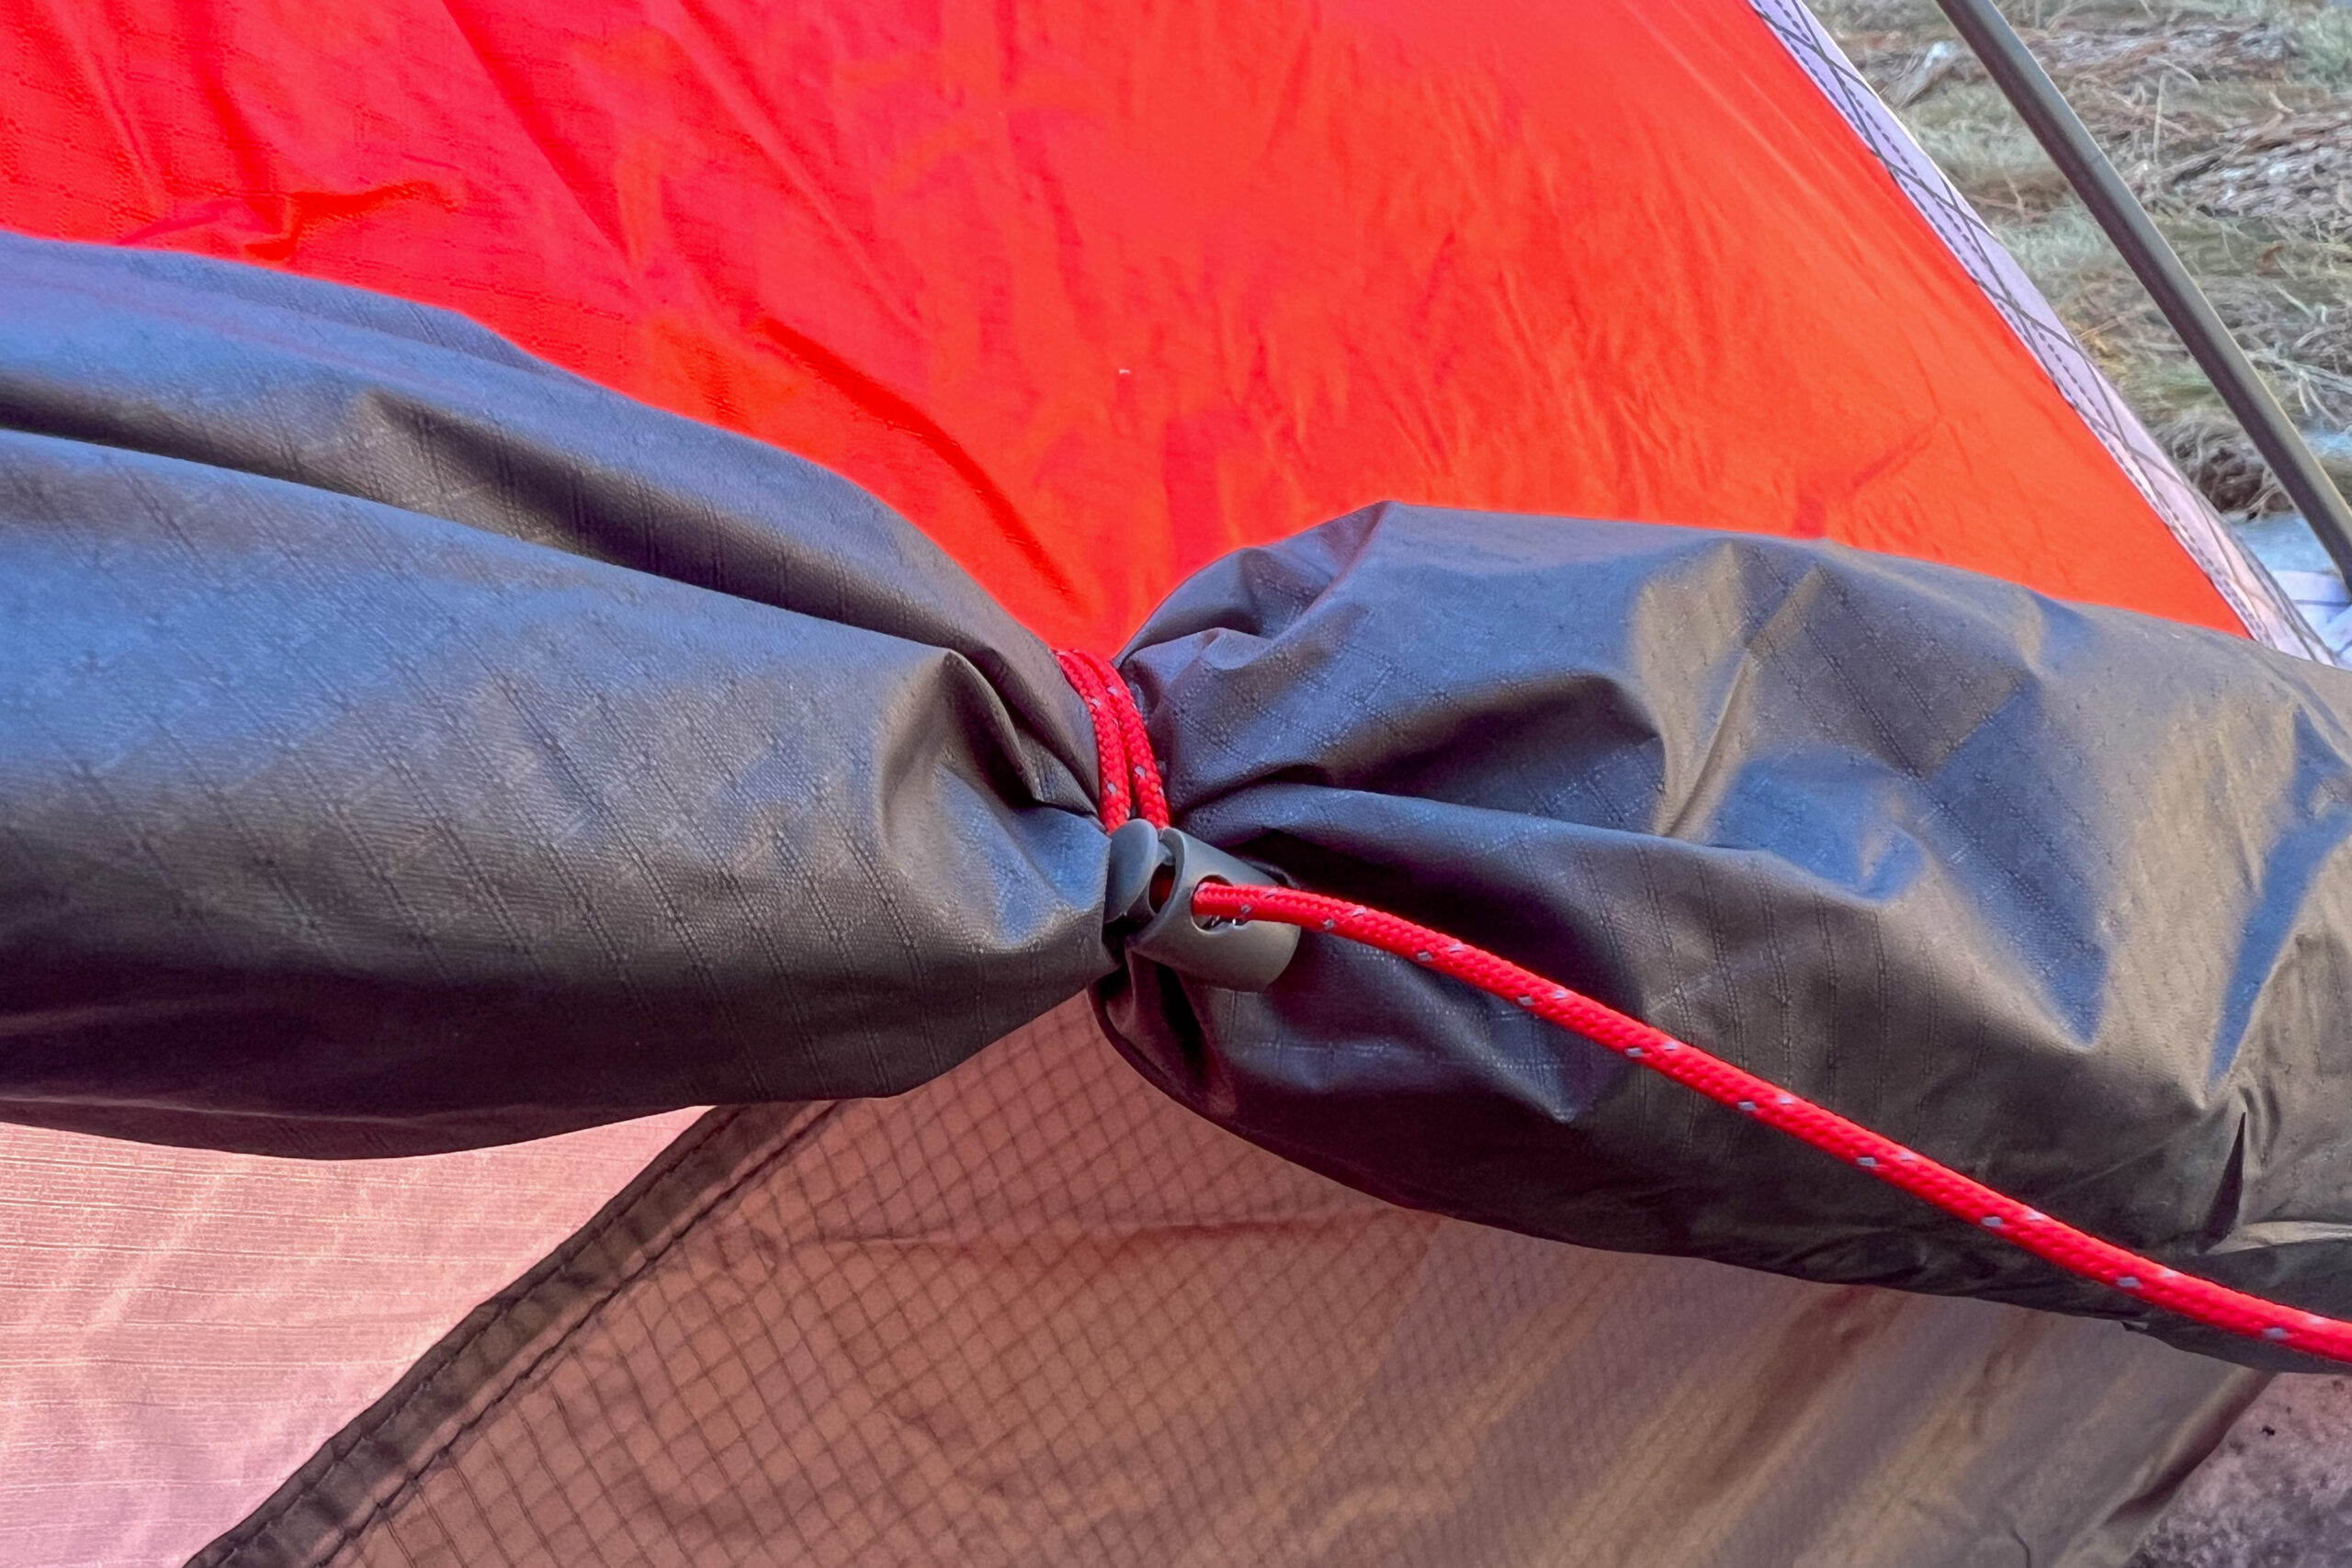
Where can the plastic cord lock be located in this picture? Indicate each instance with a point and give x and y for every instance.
(1153, 874)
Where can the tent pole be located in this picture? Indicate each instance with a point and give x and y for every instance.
(2064, 136)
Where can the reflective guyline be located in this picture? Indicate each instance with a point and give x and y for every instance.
(1132, 788)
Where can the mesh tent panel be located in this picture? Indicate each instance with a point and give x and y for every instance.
(1034, 1314)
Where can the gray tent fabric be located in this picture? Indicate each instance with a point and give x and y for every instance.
(1035, 1315)
(2060, 896)
(404, 745)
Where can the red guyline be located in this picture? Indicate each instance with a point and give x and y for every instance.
(1130, 774)
(1124, 755)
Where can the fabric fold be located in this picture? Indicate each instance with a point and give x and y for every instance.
(404, 745)
(2061, 896)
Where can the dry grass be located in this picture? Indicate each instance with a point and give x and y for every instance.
(2233, 121)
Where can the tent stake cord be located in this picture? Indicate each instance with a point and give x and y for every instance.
(2068, 142)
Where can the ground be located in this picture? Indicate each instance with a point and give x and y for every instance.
(2277, 1494)
(2233, 121)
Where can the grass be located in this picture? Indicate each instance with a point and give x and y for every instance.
(2232, 119)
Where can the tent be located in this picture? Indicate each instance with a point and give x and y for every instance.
(1092, 299)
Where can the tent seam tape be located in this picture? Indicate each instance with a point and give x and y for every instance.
(2249, 591)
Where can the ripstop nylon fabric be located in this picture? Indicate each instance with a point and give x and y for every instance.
(1034, 1314)
(412, 745)
(181, 1328)
(922, 245)
(1096, 294)
(1125, 747)
(405, 745)
(2060, 896)
(1836, 1136)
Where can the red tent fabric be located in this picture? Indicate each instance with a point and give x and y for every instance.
(1096, 294)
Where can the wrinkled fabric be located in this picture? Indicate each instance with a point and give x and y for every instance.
(182, 1327)
(404, 745)
(1093, 294)
(2060, 896)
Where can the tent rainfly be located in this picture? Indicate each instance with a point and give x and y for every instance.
(580, 984)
